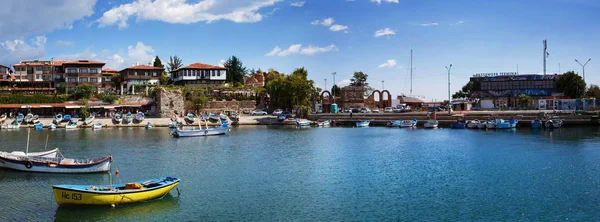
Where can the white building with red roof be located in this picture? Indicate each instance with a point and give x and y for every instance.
(199, 74)
(139, 75)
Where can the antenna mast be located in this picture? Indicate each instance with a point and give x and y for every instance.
(411, 68)
(545, 54)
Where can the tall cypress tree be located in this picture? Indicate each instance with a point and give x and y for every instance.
(235, 70)
(158, 63)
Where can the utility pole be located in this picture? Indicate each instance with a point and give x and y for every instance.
(411, 69)
(545, 54)
(583, 66)
(559, 68)
(333, 73)
(449, 101)
(325, 85)
(382, 85)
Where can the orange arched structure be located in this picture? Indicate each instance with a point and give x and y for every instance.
(326, 102)
(388, 101)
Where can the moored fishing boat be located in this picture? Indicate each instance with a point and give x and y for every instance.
(219, 130)
(36, 119)
(301, 123)
(20, 118)
(98, 125)
(38, 126)
(502, 124)
(460, 124)
(363, 123)
(482, 124)
(66, 118)
(473, 124)
(432, 123)
(324, 123)
(140, 116)
(52, 126)
(118, 117)
(13, 125)
(222, 116)
(190, 117)
(112, 195)
(409, 123)
(46, 163)
(553, 123)
(491, 124)
(394, 123)
(536, 124)
(213, 117)
(128, 118)
(513, 123)
(71, 125)
(2, 117)
(20, 154)
(89, 119)
(28, 118)
(58, 118)
(149, 125)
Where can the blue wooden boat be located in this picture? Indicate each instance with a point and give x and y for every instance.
(409, 123)
(364, 123)
(395, 123)
(20, 118)
(536, 124)
(38, 126)
(323, 123)
(58, 118)
(502, 124)
(460, 124)
(301, 123)
(66, 118)
(128, 118)
(513, 123)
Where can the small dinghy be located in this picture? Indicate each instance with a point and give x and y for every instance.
(301, 123)
(395, 123)
(52, 126)
(536, 124)
(220, 130)
(89, 120)
(140, 117)
(149, 125)
(58, 118)
(113, 194)
(213, 117)
(460, 124)
(66, 118)
(408, 123)
(20, 118)
(98, 125)
(473, 124)
(38, 126)
(364, 123)
(222, 116)
(431, 124)
(71, 125)
(190, 117)
(128, 118)
(36, 119)
(118, 117)
(29, 118)
(2, 117)
(324, 123)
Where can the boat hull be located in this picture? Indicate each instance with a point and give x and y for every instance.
(202, 132)
(431, 124)
(363, 123)
(69, 196)
(52, 167)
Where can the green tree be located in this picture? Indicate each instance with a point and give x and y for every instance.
(524, 100)
(593, 92)
(174, 63)
(359, 79)
(571, 84)
(291, 91)
(84, 110)
(116, 80)
(165, 79)
(158, 63)
(83, 91)
(336, 90)
(235, 70)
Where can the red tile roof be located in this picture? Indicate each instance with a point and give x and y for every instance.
(4, 67)
(79, 62)
(201, 66)
(143, 67)
(109, 70)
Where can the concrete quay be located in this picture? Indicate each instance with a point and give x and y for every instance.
(445, 119)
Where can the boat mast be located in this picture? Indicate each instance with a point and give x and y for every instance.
(27, 149)
(46, 146)
(411, 68)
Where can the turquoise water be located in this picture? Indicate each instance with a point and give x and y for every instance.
(325, 174)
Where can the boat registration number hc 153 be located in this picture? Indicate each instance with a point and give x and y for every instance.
(73, 196)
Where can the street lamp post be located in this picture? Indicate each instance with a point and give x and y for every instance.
(325, 85)
(382, 85)
(583, 66)
(449, 101)
(333, 73)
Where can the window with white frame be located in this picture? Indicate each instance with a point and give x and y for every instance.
(93, 79)
(83, 79)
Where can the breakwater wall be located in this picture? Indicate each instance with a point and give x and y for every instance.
(445, 119)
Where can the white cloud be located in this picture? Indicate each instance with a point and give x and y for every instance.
(222, 62)
(337, 28)
(298, 49)
(343, 82)
(390, 63)
(429, 24)
(325, 22)
(23, 18)
(138, 53)
(180, 11)
(62, 43)
(460, 22)
(297, 4)
(13, 51)
(389, 1)
(383, 32)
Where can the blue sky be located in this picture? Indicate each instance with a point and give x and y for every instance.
(324, 36)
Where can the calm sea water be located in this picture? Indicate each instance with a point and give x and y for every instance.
(325, 174)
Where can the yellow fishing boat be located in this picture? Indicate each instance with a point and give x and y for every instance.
(115, 194)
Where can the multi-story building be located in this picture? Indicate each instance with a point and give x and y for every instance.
(107, 84)
(78, 72)
(199, 74)
(33, 76)
(139, 75)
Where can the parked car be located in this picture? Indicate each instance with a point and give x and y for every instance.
(277, 112)
(365, 110)
(287, 114)
(376, 110)
(258, 112)
(347, 110)
(355, 110)
(388, 110)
